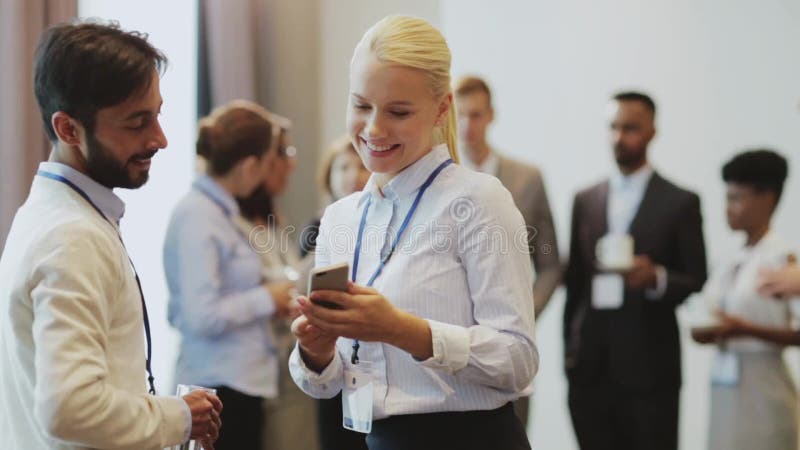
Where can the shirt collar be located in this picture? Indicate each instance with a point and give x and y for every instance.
(637, 180)
(765, 242)
(489, 164)
(409, 179)
(216, 193)
(104, 198)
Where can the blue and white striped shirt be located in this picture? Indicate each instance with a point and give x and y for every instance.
(463, 265)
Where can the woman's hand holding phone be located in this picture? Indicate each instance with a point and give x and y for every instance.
(317, 348)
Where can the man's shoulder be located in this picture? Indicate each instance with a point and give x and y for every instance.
(517, 168)
(41, 229)
(673, 191)
(40, 245)
(592, 190)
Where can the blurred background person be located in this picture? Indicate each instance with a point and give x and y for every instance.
(473, 101)
(781, 283)
(289, 418)
(753, 399)
(341, 172)
(220, 301)
(636, 253)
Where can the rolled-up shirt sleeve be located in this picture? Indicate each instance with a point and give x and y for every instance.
(325, 384)
(499, 350)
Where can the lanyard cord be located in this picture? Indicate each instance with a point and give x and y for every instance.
(150, 378)
(362, 225)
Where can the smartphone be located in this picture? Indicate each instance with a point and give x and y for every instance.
(330, 278)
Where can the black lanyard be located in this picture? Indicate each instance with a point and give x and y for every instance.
(150, 378)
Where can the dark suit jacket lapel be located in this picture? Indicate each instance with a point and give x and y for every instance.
(647, 207)
(598, 212)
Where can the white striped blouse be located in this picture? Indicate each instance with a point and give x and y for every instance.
(463, 265)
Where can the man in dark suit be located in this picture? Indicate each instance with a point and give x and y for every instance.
(524, 181)
(622, 348)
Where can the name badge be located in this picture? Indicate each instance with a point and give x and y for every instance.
(725, 369)
(608, 291)
(357, 396)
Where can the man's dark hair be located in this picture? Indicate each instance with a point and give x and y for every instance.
(633, 96)
(763, 169)
(81, 68)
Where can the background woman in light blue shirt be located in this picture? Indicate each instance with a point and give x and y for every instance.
(219, 300)
(445, 332)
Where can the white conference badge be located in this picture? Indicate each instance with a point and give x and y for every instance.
(608, 291)
(725, 369)
(357, 395)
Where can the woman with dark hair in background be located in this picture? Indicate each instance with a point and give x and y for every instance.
(753, 399)
(219, 299)
(341, 172)
(289, 418)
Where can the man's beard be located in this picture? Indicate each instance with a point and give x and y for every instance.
(104, 169)
(627, 158)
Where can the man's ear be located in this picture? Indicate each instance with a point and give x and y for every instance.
(68, 130)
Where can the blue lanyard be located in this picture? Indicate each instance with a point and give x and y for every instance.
(150, 378)
(403, 226)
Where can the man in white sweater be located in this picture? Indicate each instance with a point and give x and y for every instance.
(72, 315)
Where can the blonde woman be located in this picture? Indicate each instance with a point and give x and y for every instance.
(435, 334)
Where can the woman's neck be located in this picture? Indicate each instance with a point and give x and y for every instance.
(228, 183)
(382, 179)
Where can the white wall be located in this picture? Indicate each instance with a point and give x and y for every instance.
(289, 66)
(172, 27)
(725, 75)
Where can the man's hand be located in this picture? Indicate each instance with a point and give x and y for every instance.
(206, 423)
(642, 274)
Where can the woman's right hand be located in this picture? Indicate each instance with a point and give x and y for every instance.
(316, 347)
(282, 293)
